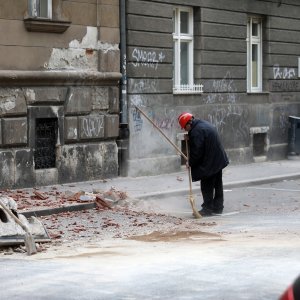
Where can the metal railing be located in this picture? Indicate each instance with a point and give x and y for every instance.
(188, 89)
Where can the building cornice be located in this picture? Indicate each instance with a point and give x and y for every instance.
(57, 78)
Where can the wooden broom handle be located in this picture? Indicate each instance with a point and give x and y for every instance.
(178, 150)
(189, 168)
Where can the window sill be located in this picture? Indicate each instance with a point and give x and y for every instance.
(258, 93)
(188, 89)
(46, 25)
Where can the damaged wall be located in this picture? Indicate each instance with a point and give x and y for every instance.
(59, 82)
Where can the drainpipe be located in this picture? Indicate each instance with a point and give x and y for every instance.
(124, 105)
(123, 140)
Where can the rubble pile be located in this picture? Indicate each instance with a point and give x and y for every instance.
(113, 215)
(28, 199)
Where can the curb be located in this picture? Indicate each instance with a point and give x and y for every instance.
(57, 210)
(233, 184)
(179, 192)
(263, 180)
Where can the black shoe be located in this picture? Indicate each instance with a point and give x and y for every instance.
(204, 212)
(217, 211)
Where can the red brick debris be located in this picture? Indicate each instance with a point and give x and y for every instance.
(28, 199)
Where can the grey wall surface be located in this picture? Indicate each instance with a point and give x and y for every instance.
(220, 64)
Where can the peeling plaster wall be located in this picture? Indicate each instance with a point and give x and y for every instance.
(69, 76)
(80, 54)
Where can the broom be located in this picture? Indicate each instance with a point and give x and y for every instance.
(191, 197)
(28, 238)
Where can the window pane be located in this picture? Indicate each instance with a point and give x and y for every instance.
(43, 8)
(174, 21)
(254, 66)
(254, 29)
(184, 65)
(184, 22)
(174, 60)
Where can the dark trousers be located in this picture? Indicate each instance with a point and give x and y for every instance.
(212, 192)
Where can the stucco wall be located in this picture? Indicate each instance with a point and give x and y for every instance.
(67, 69)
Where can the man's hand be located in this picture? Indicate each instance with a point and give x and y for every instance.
(186, 137)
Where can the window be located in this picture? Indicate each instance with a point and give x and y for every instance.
(183, 49)
(42, 18)
(254, 54)
(41, 8)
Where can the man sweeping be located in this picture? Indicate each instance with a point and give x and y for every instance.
(207, 159)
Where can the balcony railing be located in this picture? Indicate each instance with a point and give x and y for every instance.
(188, 89)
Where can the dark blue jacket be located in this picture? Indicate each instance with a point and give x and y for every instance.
(207, 155)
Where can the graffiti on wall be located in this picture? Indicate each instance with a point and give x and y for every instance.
(137, 120)
(285, 79)
(283, 73)
(167, 121)
(144, 86)
(93, 127)
(149, 59)
(285, 86)
(226, 113)
(280, 119)
(223, 91)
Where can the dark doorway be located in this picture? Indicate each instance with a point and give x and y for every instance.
(45, 143)
(259, 144)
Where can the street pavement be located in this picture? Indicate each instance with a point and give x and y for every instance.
(250, 252)
(175, 184)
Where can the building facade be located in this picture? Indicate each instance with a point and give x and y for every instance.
(59, 91)
(234, 63)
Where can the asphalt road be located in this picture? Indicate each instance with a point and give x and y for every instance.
(251, 252)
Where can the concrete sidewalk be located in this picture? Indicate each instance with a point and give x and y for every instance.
(148, 187)
(233, 176)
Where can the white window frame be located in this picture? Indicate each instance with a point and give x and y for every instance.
(254, 40)
(179, 37)
(34, 9)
